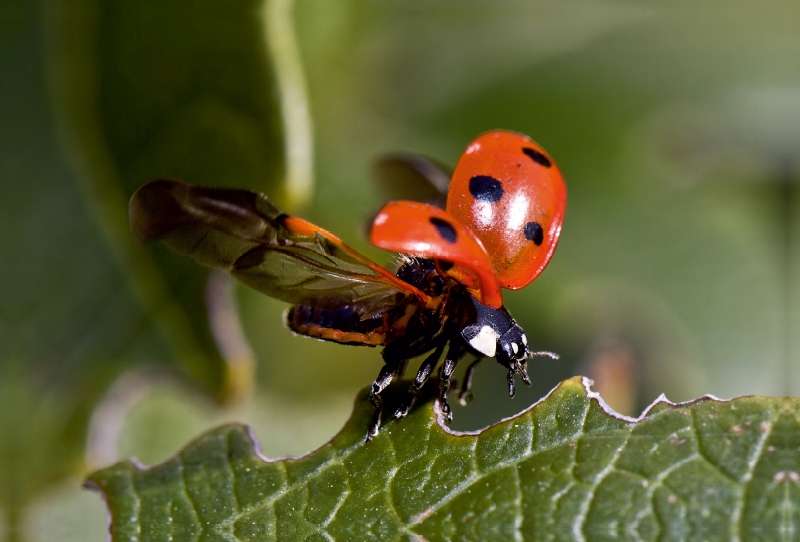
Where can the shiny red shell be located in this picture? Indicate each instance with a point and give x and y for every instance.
(428, 231)
(511, 194)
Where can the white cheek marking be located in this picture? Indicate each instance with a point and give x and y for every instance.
(524, 340)
(485, 341)
(515, 348)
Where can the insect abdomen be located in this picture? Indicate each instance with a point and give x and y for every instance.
(341, 325)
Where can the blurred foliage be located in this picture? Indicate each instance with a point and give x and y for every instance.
(675, 124)
(145, 91)
(137, 93)
(562, 470)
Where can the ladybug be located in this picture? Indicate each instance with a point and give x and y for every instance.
(496, 225)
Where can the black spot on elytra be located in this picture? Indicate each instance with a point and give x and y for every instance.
(534, 232)
(486, 188)
(444, 229)
(537, 157)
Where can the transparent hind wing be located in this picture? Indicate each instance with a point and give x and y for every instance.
(281, 256)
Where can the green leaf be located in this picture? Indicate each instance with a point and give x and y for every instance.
(567, 468)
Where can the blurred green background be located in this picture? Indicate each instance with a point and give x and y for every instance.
(676, 125)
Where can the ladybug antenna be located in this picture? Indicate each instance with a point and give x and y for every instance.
(552, 355)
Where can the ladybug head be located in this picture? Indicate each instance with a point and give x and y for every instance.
(513, 346)
(495, 334)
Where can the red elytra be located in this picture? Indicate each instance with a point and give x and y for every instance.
(511, 194)
(430, 232)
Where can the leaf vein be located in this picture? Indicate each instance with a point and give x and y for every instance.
(696, 431)
(518, 508)
(758, 453)
(135, 492)
(185, 486)
(579, 523)
(657, 482)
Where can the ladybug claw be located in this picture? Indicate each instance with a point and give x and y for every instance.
(465, 397)
(372, 431)
(402, 410)
(523, 373)
(447, 413)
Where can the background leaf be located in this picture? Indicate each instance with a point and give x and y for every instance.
(566, 469)
(139, 90)
(147, 92)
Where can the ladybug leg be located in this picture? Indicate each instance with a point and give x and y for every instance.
(446, 373)
(464, 395)
(423, 374)
(512, 389)
(521, 368)
(517, 368)
(388, 373)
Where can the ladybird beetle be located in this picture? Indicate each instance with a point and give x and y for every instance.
(498, 228)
